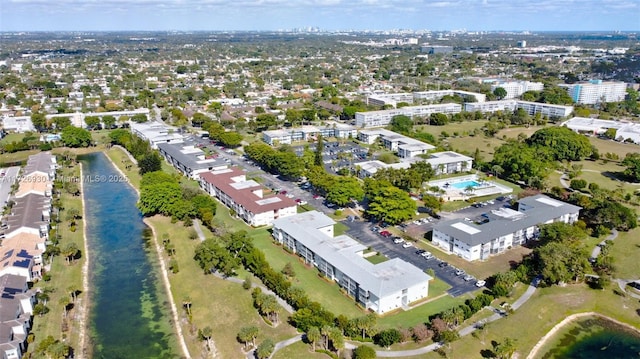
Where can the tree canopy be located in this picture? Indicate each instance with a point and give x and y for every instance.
(75, 137)
(563, 143)
(388, 203)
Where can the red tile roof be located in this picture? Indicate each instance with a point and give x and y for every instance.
(244, 196)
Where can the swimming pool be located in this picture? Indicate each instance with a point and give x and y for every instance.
(465, 184)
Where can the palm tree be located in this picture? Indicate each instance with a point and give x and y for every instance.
(186, 302)
(70, 251)
(325, 331)
(73, 292)
(207, 332)
(64, 302)
(313, 335)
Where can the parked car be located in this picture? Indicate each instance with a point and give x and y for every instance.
(459, 272)
(425, 253)
(375, 229)
(443, 264)
(398, 240)
(428, 256)
(421, 251)
(468, 277)
(385, 233)
(480, 283)
(407, 245)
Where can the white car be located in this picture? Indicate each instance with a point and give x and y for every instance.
(398, 240)
(407, 245)
(480, 283)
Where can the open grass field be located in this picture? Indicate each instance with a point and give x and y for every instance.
(307, 278)
(12, 137)
(222, 305)
(461, 128)
(64, 276)
(119, 158)
(16, 158)
(626, 251)
(546, 308)
(299, 350)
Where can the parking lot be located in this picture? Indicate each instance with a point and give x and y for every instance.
(361, 230)
(338, 155)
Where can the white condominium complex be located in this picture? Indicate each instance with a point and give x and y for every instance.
(516, 88)
(597, 91)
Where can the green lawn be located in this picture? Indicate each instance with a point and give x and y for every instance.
(64, 276)
(319, 289)
(12, 137)
(421, 313)
(546, 308)
(120, 158)
(298, 350)
(210, 297)
(626, 251)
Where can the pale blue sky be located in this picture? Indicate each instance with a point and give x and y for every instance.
(122, 15)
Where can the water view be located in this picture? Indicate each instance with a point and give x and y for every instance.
(594, 338)
(129, 312)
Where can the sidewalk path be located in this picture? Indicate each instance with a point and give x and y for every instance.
(596, 250)
(196, 226)
(265, 290)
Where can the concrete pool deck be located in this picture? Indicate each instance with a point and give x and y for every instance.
(451, 193)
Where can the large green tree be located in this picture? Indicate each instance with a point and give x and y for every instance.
(75, 137)
(390, 204)
(563, 143)
(632, 162)
(345, 190)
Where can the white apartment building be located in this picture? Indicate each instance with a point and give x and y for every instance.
(545, 109)
(410, 97)
(379, 287)
(504, 228)
(625, 131)
(383, 117)
(597, 91)
(305, 133)
(517, 88)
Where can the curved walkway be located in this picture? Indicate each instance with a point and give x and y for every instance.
(596, 250)
(431, 347)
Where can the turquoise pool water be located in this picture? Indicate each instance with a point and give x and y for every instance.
(465, 184)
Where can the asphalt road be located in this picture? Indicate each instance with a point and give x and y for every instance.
(360, 230)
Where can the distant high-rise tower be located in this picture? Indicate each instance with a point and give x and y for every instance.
(522, 43)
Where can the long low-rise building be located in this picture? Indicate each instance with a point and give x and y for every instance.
(246, 197)
(447, 162)
(305, 133)
(189, 160)
(379, 287)
(501, 229)
(156, 132)
(532, 108)
(393, 99)
(383, 117)
(406, 147)
(625, 131)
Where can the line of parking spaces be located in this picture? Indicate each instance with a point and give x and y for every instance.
(391, 246)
